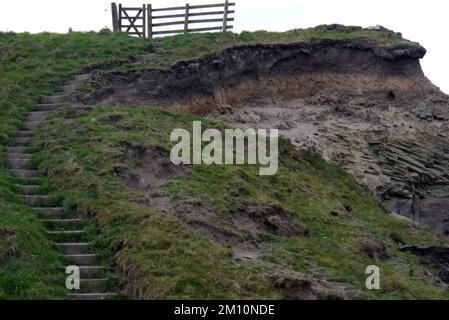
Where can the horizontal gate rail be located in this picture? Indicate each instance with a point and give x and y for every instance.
(191, 30)
(182, 15)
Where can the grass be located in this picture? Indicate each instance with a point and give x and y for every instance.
(31, 66)
(29, 268)
(164, 258)
(39, 64)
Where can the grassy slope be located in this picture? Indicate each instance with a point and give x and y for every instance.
(165, 259)
(30, 66)
(165, 256)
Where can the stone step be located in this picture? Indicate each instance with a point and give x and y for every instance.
(22, 140)
(32, 200)
(25, 174)
(64, 224)
(93, 285)
(18, 164)
(63, 98)
(19, 150)
(64, 236)
(31, 125)
(29, 189)
(49, 212)
(37, 116)
(12, 155)
(18, 145)
(21, 134)
(29, 181)
(73, 248)
(89, 271)
(93, 296)
(46, 106)
(82, 259)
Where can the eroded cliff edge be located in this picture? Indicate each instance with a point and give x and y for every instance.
(367, 107)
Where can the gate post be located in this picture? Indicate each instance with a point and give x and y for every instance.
(114, 17)
(186, 20)
(144, 21)
(120, 17)
(150, 21)
(225, 17)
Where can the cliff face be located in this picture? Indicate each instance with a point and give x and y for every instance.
(368, 108)
(288, 71)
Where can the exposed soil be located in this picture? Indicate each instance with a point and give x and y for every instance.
(369, 109)
(146, 168)
(375, 249)
(296, 286)
(280, 71)
(6, 234)
(272, 219)
(151, 167)
(202, 219)
(241, 230)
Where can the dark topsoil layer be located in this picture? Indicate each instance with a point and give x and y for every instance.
(192, 80)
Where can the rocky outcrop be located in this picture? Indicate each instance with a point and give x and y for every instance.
(402, 157)
(436, 257)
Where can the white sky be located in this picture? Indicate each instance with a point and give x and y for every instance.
(426, 22)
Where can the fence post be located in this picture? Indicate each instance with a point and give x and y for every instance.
(150, 21)
(114, 16)
(225, 17)
(120, 17)
(144, 20)
(186, 21)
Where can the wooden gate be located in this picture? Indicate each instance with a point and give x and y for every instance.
(130, 20)
(147, 21)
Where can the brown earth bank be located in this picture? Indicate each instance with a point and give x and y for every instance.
(367, 108)
(293, 70)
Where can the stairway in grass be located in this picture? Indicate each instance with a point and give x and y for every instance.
(64, 227)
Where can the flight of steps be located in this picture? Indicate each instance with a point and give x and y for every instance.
(64, 227)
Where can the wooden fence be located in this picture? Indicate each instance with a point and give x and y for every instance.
(146, 21)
